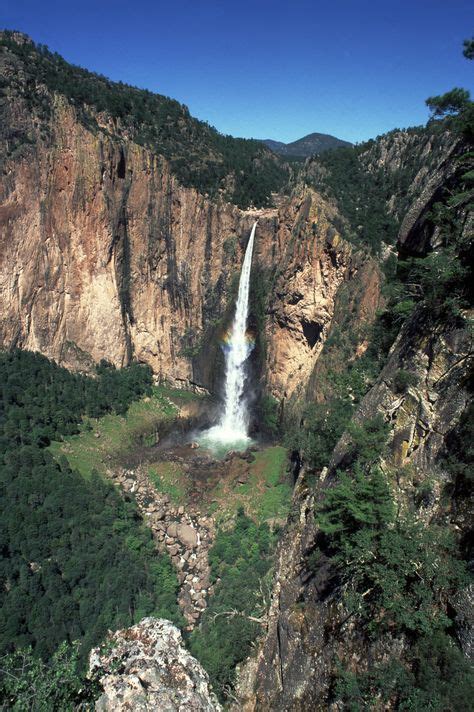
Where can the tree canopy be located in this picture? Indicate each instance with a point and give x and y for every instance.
(76, 558)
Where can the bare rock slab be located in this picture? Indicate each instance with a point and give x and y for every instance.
(147, 668)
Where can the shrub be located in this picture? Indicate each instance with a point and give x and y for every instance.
(268, 415)
(317, 431)
(403, 380)
(436, 676)
(28, 683)
(368, 439)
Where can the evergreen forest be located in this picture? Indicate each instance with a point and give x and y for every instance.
(76, 557)
(242, 171)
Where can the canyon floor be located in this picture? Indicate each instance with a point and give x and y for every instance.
(183, 492)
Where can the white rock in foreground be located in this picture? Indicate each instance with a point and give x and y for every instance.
(147, 668)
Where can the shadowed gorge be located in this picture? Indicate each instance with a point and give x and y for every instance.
(311, 331)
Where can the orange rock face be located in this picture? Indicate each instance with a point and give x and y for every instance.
(104, 255)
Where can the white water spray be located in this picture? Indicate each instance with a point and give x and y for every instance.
(233, 425)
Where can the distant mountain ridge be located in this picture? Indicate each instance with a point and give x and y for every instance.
(310, 145)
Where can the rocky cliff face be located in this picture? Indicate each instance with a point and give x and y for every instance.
(311, 265)
(308, 628)
(413, 161)
(147, 668)
(105, 255)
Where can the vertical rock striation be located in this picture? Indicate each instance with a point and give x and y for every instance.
(103, 254)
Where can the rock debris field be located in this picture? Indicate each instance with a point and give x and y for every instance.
(184, 533)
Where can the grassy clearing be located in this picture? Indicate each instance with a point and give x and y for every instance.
(266, 493)
(178, 395)
(169, 478)
(103, 440)
(269, 480)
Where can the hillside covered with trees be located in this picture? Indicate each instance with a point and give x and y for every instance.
(310, 145)
(242, 171)
(76, 557)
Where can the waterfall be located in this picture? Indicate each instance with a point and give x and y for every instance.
(233, 425)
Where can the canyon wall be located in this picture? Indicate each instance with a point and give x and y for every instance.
(308, 629)
(104, 255)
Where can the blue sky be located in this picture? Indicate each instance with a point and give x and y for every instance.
(268, 69)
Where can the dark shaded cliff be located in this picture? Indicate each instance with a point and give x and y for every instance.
(309, 629)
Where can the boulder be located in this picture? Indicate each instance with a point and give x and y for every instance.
(187, 535)
(172, 530)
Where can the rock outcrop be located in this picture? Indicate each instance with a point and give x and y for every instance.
(146, 668)
(421, 416)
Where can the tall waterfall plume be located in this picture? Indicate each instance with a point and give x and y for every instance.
(233, 425)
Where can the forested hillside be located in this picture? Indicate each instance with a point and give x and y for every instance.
(242, 171)
(76, 558)
(374, 183)
(310, 145)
